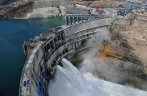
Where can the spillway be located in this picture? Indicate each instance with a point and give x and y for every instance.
(61, 85)
(98, 39)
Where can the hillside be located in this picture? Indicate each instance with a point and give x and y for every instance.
(18, 12)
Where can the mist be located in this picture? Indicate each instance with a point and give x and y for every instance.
(96, 67)
(67, 83)
(88, 65)
(101, 35)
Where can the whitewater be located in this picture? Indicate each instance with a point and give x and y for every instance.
(68, 81)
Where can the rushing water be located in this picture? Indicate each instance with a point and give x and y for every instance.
(12, 35)
(68, 81)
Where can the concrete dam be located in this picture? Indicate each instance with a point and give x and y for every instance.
(104, 37)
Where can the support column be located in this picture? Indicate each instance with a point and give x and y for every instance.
(75, 19)
(67, 21)
(81, 19)
(71, 20)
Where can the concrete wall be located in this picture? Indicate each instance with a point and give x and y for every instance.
(36, 66)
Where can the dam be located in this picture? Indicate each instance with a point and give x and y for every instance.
(49, 47)
(108, 47)
(44, 54)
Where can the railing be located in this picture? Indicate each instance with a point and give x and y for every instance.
(26, 69)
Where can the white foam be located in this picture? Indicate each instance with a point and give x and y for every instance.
(61, 85)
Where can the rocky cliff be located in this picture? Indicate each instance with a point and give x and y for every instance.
(18, 12)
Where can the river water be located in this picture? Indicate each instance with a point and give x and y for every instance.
(12, 35)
